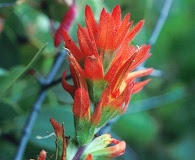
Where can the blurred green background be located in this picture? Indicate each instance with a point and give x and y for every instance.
(159, 123)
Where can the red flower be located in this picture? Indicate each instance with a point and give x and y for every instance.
(101, 69)
(103, 64)
(105, 58)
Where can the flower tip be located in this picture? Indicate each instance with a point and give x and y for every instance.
(140, 24)
(57, 128)
(142, 21)
(42, 155)
(118, 149)
(79, 29)
(147, 81)
(150, 70)
(117, 8)
(69, 88)
(87, 7)
(81, 106)
(89, 157)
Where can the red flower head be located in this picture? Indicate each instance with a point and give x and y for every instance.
(104, 58)
(103, 63)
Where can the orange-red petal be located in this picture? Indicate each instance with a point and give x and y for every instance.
(69, 88)
(122, 57)
(90, 20)
(89, 157)
(59, 130)
(72, 46)
(142, 55)
(93, 68)
(95, 118)
(105, 33)
(132, 33)
(116, 14)
(81, 106)
(120, 74)
(137, 74)
(117, 149)
(121, 102)
(77, 73)
(122, 31)
(139, 85)
(84, 41)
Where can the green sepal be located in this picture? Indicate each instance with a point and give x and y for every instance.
(97, 147)
(84, 131)
(59, 147)
(108, 112)
(96, 88)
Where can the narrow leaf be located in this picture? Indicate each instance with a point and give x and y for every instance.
(17, 73)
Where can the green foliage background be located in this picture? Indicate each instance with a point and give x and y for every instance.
(159, 123)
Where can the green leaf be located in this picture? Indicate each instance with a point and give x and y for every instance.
(8, 80)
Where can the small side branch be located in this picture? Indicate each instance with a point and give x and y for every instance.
(37, 105)
(155, 34)
(161, 21)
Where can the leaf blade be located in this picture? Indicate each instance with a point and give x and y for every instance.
(18, 73)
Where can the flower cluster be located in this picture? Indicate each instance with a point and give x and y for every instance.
(102, 69)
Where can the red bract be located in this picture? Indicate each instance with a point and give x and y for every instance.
(104, 59)
(89, 157)
(65, 24)
(81, 106)
(118, 149)
(61, 140)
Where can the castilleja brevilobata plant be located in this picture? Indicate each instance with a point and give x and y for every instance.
(102, 68)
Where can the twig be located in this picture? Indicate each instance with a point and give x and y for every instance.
(155, 34)
(29, 125)
(161, 21)
(41, 97)
(55, 82)
(156, 101)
